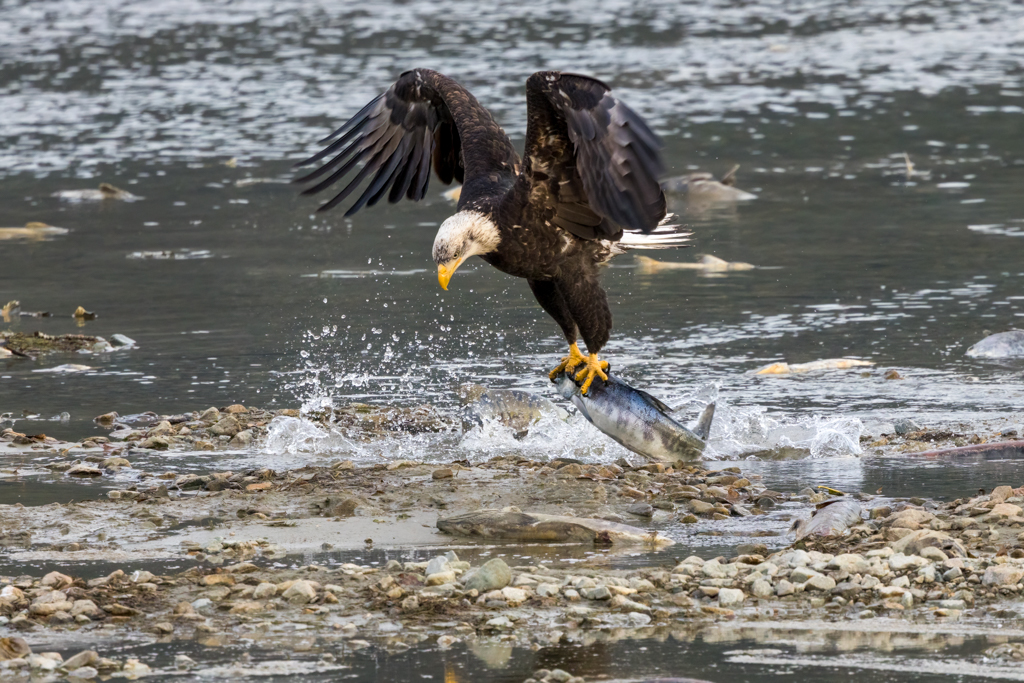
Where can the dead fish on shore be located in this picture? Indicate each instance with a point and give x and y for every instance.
(831, 519)
(528, 526)
(1009, 344)
(32, 231)
(813, 366)
(106, 191)
(706, 264)
(514, 408)
(703, 186)
(637, 420)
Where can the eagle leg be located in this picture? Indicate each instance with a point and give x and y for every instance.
(568, 363)
(594, 367)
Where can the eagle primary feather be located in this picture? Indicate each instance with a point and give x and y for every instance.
(586, 189)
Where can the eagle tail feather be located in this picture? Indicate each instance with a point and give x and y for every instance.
(667, 235)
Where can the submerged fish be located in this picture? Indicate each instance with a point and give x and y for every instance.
(703, 186)
(516, 409)
(813, 366)
(637, 420)
(529, 526)
(1000, 345)
(105, 191)
(706, 264)
(32, 231)
(831, 519)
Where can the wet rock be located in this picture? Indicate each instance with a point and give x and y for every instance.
(911, 518)
(87, 608)
(84, 470)
(1001, 493)
(84, 673)
(226, 426)
(493, 575)
(300, 592)
(440, 578)
(443, 473)
(242, 439)
(1003, 575)
(784, 588)
(915, 541)
(184, 662)
(115, 463)
(905, 425)
(596, 593)
(641, 510)
(163, 428)
(83, 658)
(49, 603)
(802, 574)
(56, 581)
(761, 588)
(1005, 512)
(851, 563)
(133, 668)
(623, 604)
(820, 582)
(730, 597)
(156, 443)
(14, 648)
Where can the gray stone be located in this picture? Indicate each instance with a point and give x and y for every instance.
(784, 588)
(83, 658)
(598, 593)
(300, 592)
(802, 574)
(242, 439)
(1003, 575)
(761, 589)
(437, 564)
(547, 590)
(905, 425)
(83, 673)
(730, 597)
(820, 582)
(641, 510)
(494, 575)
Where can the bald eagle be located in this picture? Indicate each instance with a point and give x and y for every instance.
(585, 190)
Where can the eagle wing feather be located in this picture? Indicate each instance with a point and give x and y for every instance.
(422, 121)
(591, 158)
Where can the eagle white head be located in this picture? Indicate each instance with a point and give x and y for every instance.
(467, 233)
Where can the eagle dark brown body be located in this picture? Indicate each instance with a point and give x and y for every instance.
(585, 190)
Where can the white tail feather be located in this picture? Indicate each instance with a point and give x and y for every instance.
(666, 236)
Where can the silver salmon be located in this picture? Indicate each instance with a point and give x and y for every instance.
(830, 520)
(516, 409)
(530, 526)
(637, 420)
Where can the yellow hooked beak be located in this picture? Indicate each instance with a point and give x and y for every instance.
(446, 270)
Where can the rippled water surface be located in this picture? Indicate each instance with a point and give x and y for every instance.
(237, 292)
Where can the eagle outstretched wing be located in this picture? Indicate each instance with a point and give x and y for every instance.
(424, 119)
(590, 157)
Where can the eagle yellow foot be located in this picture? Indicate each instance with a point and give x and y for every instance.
(568, 363)
(594, 367)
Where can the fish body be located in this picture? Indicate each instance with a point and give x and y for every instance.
(703, 186)
(529, 526)
(706, 264)
(1000, 345)
(32, 231)
(813, 366)
(106, 191)
(830, 520)
(636, 419)
(514, 408)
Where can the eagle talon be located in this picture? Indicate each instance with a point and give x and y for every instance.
(594, 368)
(569, 363)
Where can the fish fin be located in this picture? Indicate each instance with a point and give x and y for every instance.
(653, 401)
(703, 428)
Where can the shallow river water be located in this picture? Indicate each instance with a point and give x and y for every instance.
(202, 108)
